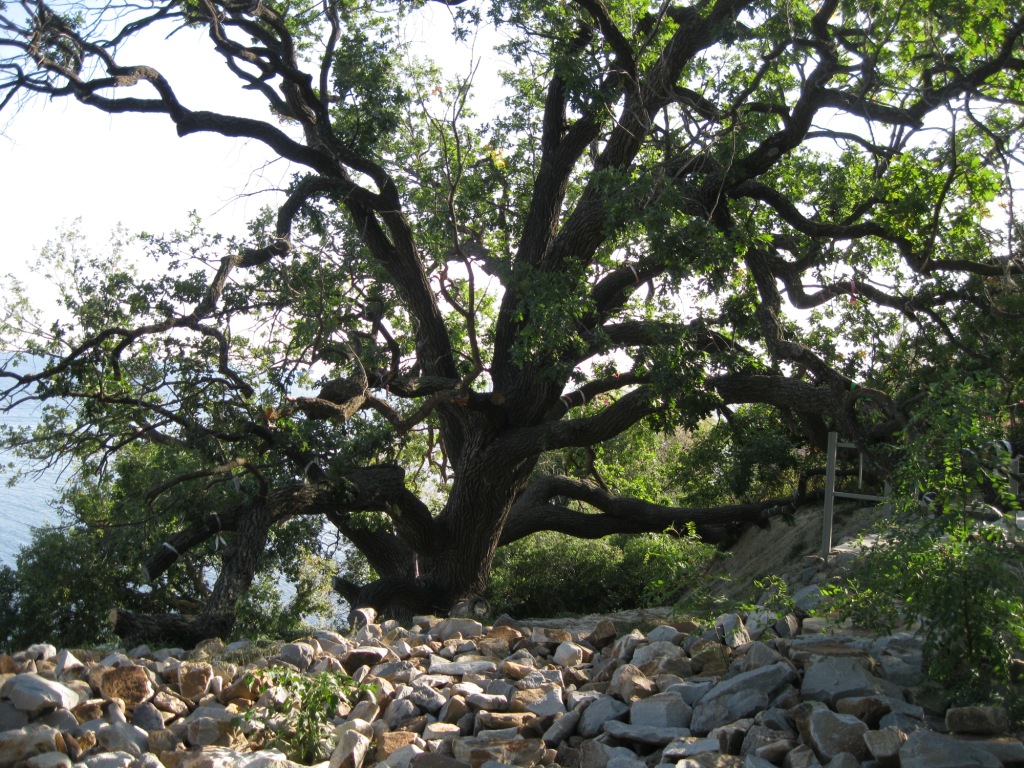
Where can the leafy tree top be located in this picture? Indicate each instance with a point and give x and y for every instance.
(628, 232)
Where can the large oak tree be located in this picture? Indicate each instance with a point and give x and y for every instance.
(622, 239)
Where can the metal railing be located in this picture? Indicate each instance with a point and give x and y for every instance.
(831, 494)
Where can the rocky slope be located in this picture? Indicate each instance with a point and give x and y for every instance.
(753, 690)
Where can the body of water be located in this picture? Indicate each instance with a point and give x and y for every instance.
(27, 504)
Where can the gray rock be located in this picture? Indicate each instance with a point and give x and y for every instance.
(595, 754)
(925, 749)
(563, 727)
(807, 599)
(758, 622)
(397, 671)
(448, 628)
(299, 655)
(350, 751)
(61, 719)
(543, 701)
(403, 756)
(731, 630)
(427, 699)
(623, 648)
(726, 709)
(978, 720)
(801, 757)
(66, 662)
(147, 717)
(758, 736)
(903, 721)
(107, 760)
(644, 734)
(688, 747)
(662, 710)
(843, 760)
(440, 666)
(122, 737)
(884, 746)
(902, 672)
(829, 734)
(768, 680)
(778, 720)
(11, 718)
(829, 679)
(692, 690)
(568, 655)
(540, 677)
(660, 649)
(400, 711)
(758, 655)
(40, 652)
(601, 710)
(739, 696)
(665, 632)
(56, 760)
(487, 701)
(33, 694)
(1008, 750)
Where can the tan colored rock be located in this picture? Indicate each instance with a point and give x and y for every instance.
(392, 741)
(86, 741)
(441, 732)
(167, 701)
(194, 680)
(514, 670)
(163, 741)
(23, 743)
(497, 720)
(89, 710)
(515, 751)
(508, 634)
(130, 684)
(604, 634)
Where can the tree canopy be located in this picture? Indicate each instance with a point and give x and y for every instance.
(677, 209)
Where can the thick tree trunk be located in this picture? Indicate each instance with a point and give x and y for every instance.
(456, 564)
(241, 561)
(170, 628)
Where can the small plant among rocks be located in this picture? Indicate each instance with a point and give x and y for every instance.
(296, 712)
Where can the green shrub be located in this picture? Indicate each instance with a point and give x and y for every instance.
(962, 582)
(551, 574)
(299, 719)
(660, 568)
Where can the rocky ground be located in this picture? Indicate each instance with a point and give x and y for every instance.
(754, 690)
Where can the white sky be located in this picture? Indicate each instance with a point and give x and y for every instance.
(61, 161)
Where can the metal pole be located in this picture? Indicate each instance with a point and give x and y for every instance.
(830, 488)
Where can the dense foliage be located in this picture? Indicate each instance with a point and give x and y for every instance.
(660, 213)
(961, 580)
(551, 574)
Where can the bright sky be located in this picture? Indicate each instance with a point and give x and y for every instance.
(62, 161)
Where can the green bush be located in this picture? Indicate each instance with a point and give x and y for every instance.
(299, 720)
(551, 574)
(961, 581)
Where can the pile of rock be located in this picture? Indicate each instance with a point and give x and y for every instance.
(754, 691)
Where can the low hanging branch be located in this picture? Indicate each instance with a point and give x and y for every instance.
(536, 511)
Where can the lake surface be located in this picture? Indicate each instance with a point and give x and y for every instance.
(27, 504)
